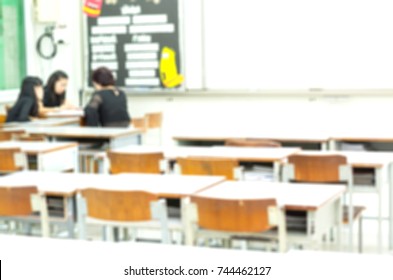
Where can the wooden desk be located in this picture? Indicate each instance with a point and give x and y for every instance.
(49, 156)
(321, 202)
(217, 137)
(42, 123)
(67, 184)
(116, 137)
(76, 113)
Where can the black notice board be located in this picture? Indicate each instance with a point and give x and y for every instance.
(132, 37)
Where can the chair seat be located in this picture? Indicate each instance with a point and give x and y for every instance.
(357, 212)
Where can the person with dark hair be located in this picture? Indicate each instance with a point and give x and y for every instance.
(108, 105)
(27, 105)
(55, 91)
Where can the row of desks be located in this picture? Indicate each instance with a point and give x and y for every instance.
(324, 140)
(313, 198)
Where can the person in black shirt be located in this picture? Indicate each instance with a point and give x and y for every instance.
(55, 91)
(108, 105)
(28, 102)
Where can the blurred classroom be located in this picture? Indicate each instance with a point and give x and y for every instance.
(248, 127)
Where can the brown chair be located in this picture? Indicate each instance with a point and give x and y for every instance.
(3, 118)
(325, 169)
(153, 120)
(15, 204)
(10, 135)
(208, 166)
(34, 138)
(121, 208)
(139, 123)
(8, 162)
(241, 218)
(135, 162)
(317, 169)
(16, 201)
(251, 142)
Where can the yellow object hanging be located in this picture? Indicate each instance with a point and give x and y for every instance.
(168, 69)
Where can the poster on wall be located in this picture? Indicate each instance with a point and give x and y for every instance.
(137, 39)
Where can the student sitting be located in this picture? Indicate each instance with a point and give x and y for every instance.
(28, 102)
(55, 91)
(108, 105)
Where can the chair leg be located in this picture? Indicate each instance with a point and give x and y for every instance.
(360, 234)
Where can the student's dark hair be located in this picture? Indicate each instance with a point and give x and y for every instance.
(27, 91)
(50, 85)
(103, 76)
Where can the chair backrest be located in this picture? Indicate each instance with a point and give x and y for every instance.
(318, 169)
(139, 123)
(234, 215)
(208, 166)
(8, 160)
(10, 135)
(16, 201)
(153, 120)
(251, 142)
(26, 137)
(122, 206)
(135, 163)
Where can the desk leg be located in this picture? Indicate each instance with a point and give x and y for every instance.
(339, 221)
(187, 210)
(333, 145)
(69, 215)
(276, 171)
(390, 172)
(378, 185)
(44, 216)
(81, 216)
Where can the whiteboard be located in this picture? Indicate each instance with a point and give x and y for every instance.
(298, 44)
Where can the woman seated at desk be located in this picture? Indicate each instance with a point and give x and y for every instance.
(108, 105)
(28, 103)
(55, 92)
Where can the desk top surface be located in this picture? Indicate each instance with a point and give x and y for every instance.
(358, 159)
(42, 123)
(65, 113)
(69, 183)
(240, 153)
(83, 132)
(37, 147)
(312, 137)
(294, 196)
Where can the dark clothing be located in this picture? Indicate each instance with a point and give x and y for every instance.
(23, 109)
(51, 99)
(107, 108)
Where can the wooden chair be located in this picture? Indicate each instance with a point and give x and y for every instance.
(10, 135)
(153, 133)
(251, 142)
(135, 162)
(241, 218)
(209, 166)
(15, 203)
(3, 118)
(9, 160)
(130, 209)
(153, 120)
(139, 123)
(326, 169)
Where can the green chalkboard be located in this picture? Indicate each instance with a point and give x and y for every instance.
(12, 44)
